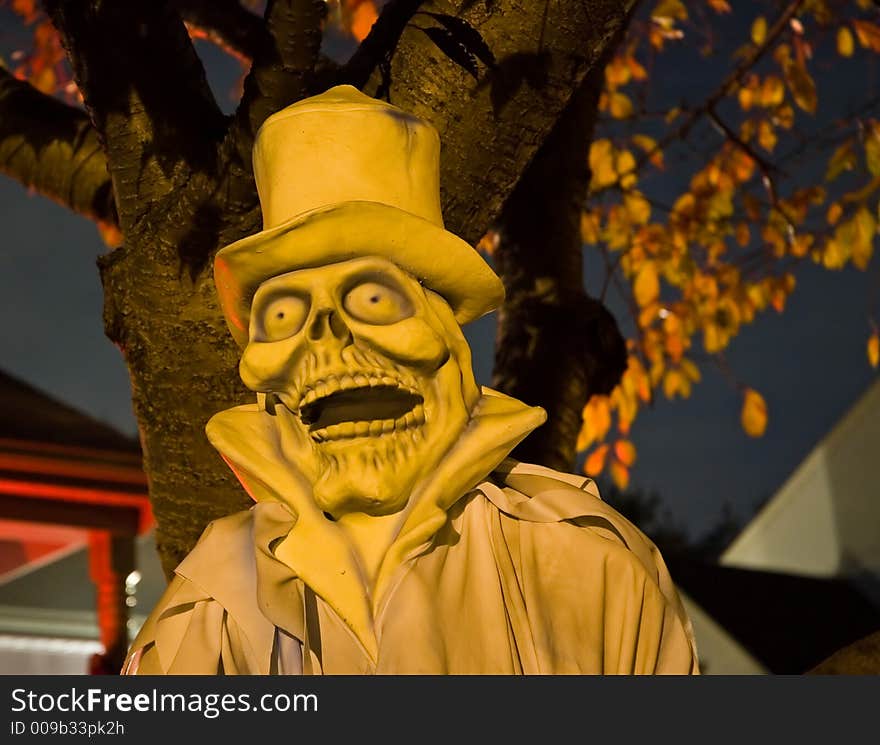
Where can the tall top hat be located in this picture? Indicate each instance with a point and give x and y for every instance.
(342, 175)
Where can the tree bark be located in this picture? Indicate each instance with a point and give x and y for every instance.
(555, 345)
(183, 183)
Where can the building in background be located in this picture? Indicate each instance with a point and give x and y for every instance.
(73, 501)
(802, 579)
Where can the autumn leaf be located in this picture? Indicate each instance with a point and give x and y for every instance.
(842, 159)
(619, 475)
(872, 149)
(834, 213)
(595, 463)
(864, 228)
(596, 421)
(625, 452)
(845, 42)
(671, 9)
(647, 285)
(602, 164)
(802, 86)
(620, 106)
(637, 207)
(874, 349)
(754, 413)
(869, 34)
(719, 6)
(759, 30)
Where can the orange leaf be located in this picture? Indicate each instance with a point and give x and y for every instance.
(874, 349)
(596, 462)
(869, 34)
(754, 413)
(625, 452)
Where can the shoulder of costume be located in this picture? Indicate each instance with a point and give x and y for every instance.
(538, 495)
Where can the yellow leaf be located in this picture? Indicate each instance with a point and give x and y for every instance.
(743, 235)
(596, 421)
(625, 164)
(637, 207)
(675, 382)
(590, 227)
(625, 452)
(602, 164)
(842, 159)
(759, 30)
(803, 89)
(691, 370)
(649, 146)
(754, 413)
(672, 9)
(845, 42)
(647, 285)
(874, 350)
(620, 106)
(865, 227)
(872, 149)
(772, 91)
(766, 135)
(595, 463)
(619, 475)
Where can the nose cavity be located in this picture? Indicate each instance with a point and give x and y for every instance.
(328, 323)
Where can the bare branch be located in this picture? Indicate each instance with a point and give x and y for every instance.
(52, 148)
(225, 23)
(146, 92)
(283, 69)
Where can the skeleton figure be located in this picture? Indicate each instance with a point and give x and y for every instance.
(390, 533)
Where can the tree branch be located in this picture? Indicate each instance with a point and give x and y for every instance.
(225, 23)
(728, 85)
(379, 43)
(282, 70)
(145, 91)
(52, 148)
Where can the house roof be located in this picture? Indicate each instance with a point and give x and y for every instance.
(789, 623)
(31, 415)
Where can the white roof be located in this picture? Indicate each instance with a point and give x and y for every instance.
(825, 519)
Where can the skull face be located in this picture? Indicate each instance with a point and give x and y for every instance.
(371, 375)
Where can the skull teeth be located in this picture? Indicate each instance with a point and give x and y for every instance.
(350, 430)
(334, 383)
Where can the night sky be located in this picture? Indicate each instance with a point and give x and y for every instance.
(809, 363)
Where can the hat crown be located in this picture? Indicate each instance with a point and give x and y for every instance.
(343, 146)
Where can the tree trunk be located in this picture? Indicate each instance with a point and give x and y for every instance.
(556, 346)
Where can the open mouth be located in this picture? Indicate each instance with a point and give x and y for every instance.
(362, 411)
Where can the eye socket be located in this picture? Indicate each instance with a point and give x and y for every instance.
(377, 303)
(282, 317)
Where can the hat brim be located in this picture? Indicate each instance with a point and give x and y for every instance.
(441, 260)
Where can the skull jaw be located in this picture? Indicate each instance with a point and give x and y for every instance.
(377, 473)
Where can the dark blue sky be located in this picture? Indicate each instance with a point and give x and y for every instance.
(809, 363)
